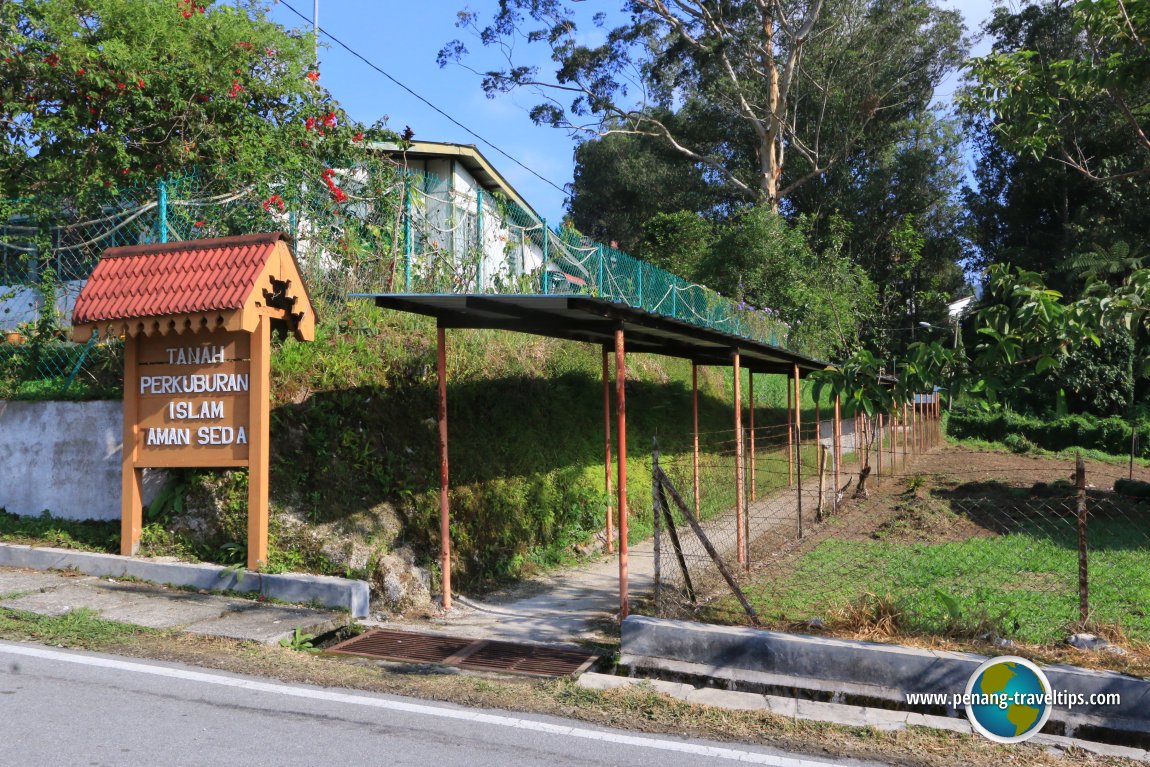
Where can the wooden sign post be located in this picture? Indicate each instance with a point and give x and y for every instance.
(197, 359)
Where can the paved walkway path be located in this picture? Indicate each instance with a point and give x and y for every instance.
(582, 603)
(159, 607)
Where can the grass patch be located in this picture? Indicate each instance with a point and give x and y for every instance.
(1069, 454)
(1021, 584)
(46, 530)
(639, 708)
(77, 628)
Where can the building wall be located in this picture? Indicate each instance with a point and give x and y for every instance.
(64, 457)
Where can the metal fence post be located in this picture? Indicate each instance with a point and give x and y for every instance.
(546, 260)
(601, 292)
(479, 238)
(408, 245)
(162, 190)
(1083, 586)
(656, 512)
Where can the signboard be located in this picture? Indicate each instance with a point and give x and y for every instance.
(193, 398)
(196, 318)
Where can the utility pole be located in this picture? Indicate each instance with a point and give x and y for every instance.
(315, 29)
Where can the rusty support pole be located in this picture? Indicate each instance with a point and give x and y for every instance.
(1083, 585)
(695, 430)
(878, 450)
(751, 386)
(799, 449)
(914, 423)
(740, 543)
(790, 437)
(892, 420)
(621, 429)
(820, 464)
(444, 507)
(607, 450)
(905, 424)
(837, 448)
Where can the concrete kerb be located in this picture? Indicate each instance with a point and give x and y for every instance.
(296, 588)
(833, 713)
(861, 673)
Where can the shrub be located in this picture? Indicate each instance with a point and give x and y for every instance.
(1023, 433)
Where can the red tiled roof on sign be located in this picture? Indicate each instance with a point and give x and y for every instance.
(174, 278)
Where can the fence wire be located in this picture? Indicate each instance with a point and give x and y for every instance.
(1016, 552)
(379, 228)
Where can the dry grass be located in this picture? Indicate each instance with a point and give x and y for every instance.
(639, 708)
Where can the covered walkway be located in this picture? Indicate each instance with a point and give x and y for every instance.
(618, 328)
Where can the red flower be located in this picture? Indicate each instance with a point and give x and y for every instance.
(270, 51)
(312, 75)
(140, 82)
(338, 194)
(358, 136)
(236, 90)
(199, 224)
(81, 71)
(276, 200)
(120, 86)
(329, 120)
(51, 59)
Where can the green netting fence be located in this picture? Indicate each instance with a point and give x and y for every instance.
(375, 228)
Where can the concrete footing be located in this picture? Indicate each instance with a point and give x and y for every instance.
(864, 674)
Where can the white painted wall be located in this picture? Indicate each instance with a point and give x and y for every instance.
(64, 457)
(20, 303)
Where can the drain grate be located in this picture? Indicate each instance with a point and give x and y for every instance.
(477, 655)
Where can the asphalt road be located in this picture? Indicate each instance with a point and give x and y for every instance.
(61, 707)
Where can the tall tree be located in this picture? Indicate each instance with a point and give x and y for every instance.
(1063, 74)
(812, 79)
(621, 181)
(1034, 204)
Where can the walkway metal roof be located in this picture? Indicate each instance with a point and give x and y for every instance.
(594, 320)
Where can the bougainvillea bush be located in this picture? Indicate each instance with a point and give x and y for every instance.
(101, 95)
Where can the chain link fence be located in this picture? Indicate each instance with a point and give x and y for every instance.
(377, 228)
(940, 542)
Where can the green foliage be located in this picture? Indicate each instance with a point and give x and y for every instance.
(81, 627)
(980, 578)
(101, 94)
(766, 262)
(1110, 435)
(46, 530)
(1099, 379)
(622, 181)
(300, 642)
(677, 242)
(1132, 487)
(708, 80)
(1094, 79)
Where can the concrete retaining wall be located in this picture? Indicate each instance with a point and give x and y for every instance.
(861, 672)
(64, 457)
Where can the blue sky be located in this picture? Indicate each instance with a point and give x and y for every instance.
(403, 40)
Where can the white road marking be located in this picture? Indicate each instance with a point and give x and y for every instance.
(715, 752)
